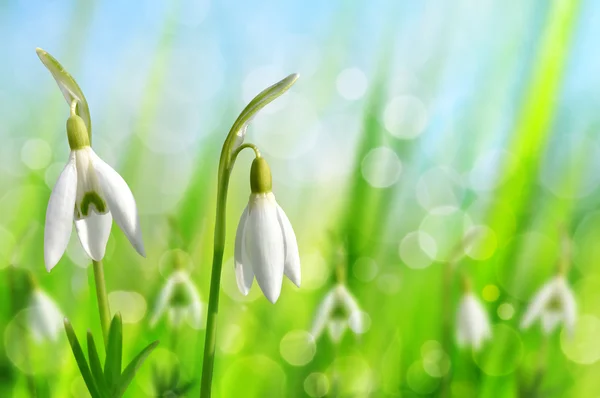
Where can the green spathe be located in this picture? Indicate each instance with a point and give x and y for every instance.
(260, 176)
(77, 133)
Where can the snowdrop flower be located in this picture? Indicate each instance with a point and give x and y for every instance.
(90, 193)
(265, 243)
(180, 299)
(553, 304)
(472, 323)
(44, 318)
(338, 311)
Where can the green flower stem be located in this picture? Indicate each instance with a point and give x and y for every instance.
(228, 156)
(102, 297)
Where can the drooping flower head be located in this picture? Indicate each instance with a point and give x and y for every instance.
(88, 193)
(44, 318)
(265, 243)
(472, 322)
(338, 311)
(553, 304)
(180, 300)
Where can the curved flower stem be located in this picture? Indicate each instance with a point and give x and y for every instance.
(102, 297)
(229, 153)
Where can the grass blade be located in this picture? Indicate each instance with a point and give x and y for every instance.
(95, 365)
(114, 352)
(81, 362)
(131, 369)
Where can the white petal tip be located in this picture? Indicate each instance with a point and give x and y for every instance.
(272, 296)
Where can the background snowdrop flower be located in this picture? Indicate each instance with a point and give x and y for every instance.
(180, 300)
(338, 311)
(265, 243)
(90, 193)
(44, 317)
(472, 322)
(554, 303)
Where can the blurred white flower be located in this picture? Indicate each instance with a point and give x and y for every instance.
(44, 317)
(180, 300)
(265, 247)
(554, 303)
(472, 322)
(338, 311)
(88, 192)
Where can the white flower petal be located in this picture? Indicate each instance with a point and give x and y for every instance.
(472, 324)
(163, 300)
(121, 202)
(292, 258)
(243, 269)
(569, 306)
(537, 304)
(45, 318)
(264, 244)
(550, 320)
(93, 232)
(336, 329)
(347, 299)
(59, 215)
(323, 314)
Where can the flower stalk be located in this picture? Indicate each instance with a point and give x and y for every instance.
(232, 146)
(102, 297)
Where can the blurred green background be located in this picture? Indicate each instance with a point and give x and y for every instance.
(413, 122)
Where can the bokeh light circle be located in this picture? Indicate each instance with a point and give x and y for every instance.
(506, 311)
(36, 154)
(586, 237)
(30, 355)
(483, 243)
(7, 245)
(435, 361)
(315, 270)
(389, 283)
(356, 378)
(439, 186)
(231, 338)
(447, 226)
(419, 380)
(131, 305)
(405, 117)
(417, 250)
(490, 293)
(584, 346)
(503, 354)
(381, 167)
(365, 269)
(316, 385)
(351, 83)
(297, 347)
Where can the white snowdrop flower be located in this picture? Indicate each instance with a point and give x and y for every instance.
(90, 193)
(553, 304)
(180, 300)
(472, 322)
(44, 317)
(338, 311)
(265, 243)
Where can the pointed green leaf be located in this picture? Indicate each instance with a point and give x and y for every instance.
(68, 86)
(260, 101)
(95, 365)
(114, 352)
(81, 362)
(134, 365)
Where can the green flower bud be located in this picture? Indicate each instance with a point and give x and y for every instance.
(77, 133)
(260, 176)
